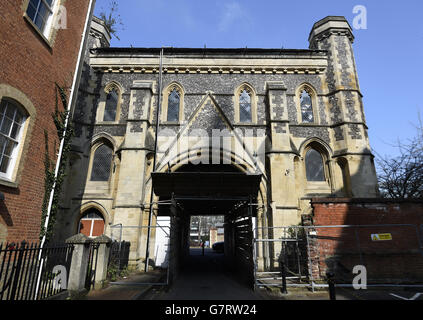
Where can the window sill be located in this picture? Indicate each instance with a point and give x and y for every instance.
(320, 187)
(8, 183)
(312, 195)
(109, 123)
(309, 124)
(98, 184)
(96, 192)
(37, 30)
(171, 123)
(246, 124)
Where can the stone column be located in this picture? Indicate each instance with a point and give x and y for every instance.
(130, 191)
(281, 158)
(278, 113)
(79, 264)
(102, 260)
(283, 194)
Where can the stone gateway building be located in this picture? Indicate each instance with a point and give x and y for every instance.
(251, 134)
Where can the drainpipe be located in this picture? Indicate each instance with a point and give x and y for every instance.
(150, 214)
(75, 84)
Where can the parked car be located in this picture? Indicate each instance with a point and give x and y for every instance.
(218, 246)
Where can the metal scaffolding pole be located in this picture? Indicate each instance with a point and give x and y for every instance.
(150, 214)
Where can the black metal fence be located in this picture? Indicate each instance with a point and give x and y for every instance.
(92, 265)
(118, 258)
(29, 272)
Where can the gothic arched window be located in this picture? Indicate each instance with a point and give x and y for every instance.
(306, 107)
(102, 163)
(111, 105)
(245, 112)
(173, 106)
(315, 170)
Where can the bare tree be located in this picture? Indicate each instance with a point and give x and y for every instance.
(111, 18)
(401, 177)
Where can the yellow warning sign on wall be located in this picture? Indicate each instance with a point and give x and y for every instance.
(381, 236)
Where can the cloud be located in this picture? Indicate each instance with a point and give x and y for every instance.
(233, 12)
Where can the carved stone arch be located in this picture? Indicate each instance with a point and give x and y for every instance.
(246, 86)
(182, 159)
(253, 100)
(175, 85)
(225, 157)
(165, 102)
(114, 85)
(321, 145)
(103, 137)
(236, 161)
(308, 87)
(93, 205)
(312, 92)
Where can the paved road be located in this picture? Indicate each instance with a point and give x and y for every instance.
(204, 278)
(378, 293)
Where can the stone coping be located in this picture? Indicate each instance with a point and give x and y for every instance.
(364, 200)
(210, 51)
(83, 239)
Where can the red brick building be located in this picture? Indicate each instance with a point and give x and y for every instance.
(385, 235)
(40, 45)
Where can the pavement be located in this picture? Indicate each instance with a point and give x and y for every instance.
(204, 278)
(342, 293)
(129, 288)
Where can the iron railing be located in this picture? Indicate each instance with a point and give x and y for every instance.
(92, 265)
(119, 255)
(29, 272)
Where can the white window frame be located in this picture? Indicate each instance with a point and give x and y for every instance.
(46, 32)
(13, 157)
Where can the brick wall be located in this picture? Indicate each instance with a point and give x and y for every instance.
(341, 248)
(28, 64)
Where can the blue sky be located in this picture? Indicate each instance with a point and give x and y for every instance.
(389, 53)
